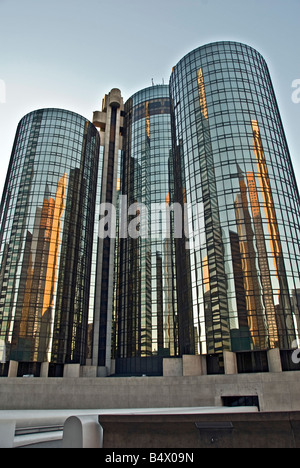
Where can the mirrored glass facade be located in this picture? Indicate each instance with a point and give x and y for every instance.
(239, 285)
(223, 275)
(47, 222)
(146, 322)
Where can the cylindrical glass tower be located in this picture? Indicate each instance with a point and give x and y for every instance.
(239, 284)
(146, 303)
(47, 218)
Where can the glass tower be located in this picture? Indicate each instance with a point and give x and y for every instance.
(146, 312)
(238, 285)
(47, 219)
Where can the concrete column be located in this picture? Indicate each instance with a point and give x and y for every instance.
(102, 371)
(44, 370)
(82, 432)
(172, 367)
(204, 364)
(194, 365)
(88, 371)
(2, 352)
(7, 433)
(113, 367)
(274, 360)
(13, 369)
(72, 370)
(230, 363)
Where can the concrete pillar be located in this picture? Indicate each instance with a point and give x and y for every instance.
(7, 433)
(44, 370)
(102, 371)
(113, 367)
(230, 363)
(204, 364)
(274, 360)
(72, 370)
(172, 367)
(82, 432)
(88, 371)
(13, 369)
(2, 352)
(194, 365)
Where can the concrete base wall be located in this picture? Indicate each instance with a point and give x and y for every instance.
(268, 430)
(276, 392)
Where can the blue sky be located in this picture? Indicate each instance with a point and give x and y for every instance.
(69, 53)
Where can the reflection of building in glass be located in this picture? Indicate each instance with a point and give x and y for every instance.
(251, 284)
(263, 262)
(146, 314)
(284, 319)
(234, 158)
(31, 332)
(214, 277)
(46, 235)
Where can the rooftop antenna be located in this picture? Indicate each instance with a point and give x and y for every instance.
(152, 82)
(163, 81)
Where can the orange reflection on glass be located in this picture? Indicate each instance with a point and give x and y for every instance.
(249, 268)
(201, 89)
(58, 207)
(264, 181)
(32, 330)
(206, 274)
(118, 185)
(147, 120)
(263, 261)
(285, 322)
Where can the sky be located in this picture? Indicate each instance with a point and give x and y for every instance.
(70, 53)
